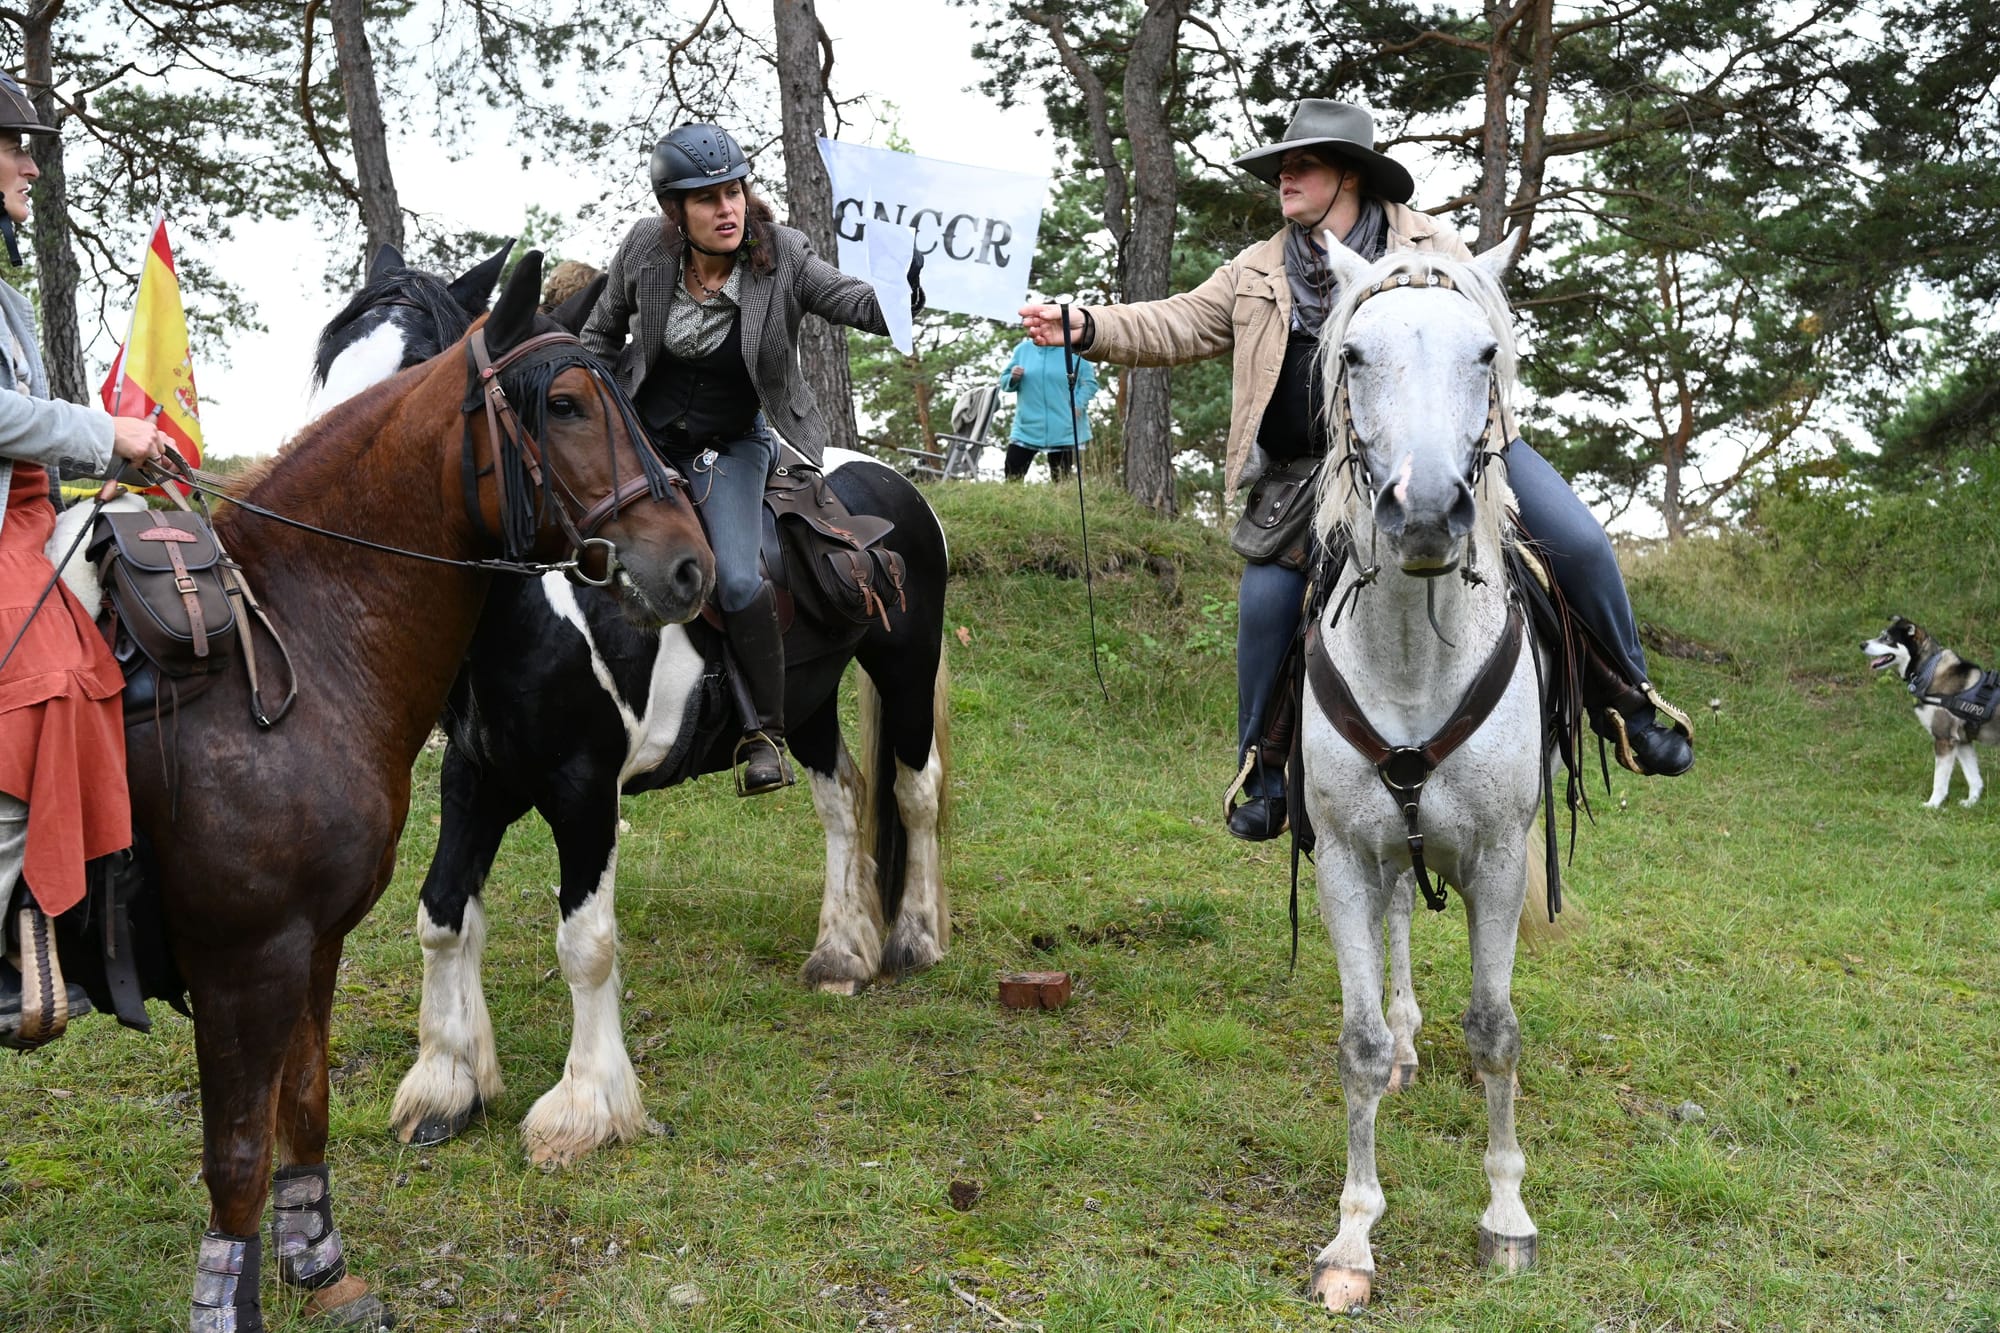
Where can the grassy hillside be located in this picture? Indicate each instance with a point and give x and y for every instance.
(1784, 940)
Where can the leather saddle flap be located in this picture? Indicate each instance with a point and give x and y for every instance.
(852, 575)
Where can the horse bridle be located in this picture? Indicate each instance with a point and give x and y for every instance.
(504, 423)
(485, 376)
(1355, 459)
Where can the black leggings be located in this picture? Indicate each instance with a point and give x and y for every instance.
(1020, 455)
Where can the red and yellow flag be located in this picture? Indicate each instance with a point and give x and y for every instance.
(153, 369)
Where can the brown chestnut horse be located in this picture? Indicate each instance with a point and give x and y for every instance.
(271, 845)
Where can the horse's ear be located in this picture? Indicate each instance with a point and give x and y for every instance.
(1495, 262)
(473, 288)
(572, 313)
(1345, 265)
(387, 260)
(514, 313)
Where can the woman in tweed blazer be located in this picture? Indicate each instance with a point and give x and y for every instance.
(710, 293)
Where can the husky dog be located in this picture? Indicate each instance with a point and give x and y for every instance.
(1954, 699)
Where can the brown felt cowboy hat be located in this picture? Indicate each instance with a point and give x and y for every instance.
(1340, 130)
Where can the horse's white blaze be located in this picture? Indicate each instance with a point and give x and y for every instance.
(1418, 363)
(597, 1100)
(456, 1063)
(363, 363)
(924, 923)
(677, 668)
(849, 949)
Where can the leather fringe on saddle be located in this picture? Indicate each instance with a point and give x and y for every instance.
(1554, 638)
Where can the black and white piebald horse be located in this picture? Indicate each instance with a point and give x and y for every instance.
(563, 705)
(396, 320)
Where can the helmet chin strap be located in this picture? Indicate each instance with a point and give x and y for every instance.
(13, 241)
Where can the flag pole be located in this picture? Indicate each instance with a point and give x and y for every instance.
(118, 368)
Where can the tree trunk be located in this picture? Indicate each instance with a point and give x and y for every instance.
(380, 213)
(56, 271)
(1495, 135)
(801, 97)
(1149, 245)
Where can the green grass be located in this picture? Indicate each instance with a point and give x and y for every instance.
(1785, 938)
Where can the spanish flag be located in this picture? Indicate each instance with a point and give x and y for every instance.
(154, 372)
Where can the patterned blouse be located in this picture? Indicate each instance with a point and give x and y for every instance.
(696, 328)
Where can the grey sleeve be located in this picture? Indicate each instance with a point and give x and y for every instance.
(838, 297)
(54, 433)
(605, 331)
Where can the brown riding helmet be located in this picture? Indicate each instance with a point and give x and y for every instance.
(17, 112)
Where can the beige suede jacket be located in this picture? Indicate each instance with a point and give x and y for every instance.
(1245, 305)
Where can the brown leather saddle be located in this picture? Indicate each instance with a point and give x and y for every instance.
(825, 562)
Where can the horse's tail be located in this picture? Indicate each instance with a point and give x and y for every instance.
(1536, 929)
(882, 830)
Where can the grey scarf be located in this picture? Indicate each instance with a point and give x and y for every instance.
(1313, 288)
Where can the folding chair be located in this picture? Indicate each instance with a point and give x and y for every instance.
(957, 458)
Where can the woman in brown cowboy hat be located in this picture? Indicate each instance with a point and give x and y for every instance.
(1265, 307)
(62, 731)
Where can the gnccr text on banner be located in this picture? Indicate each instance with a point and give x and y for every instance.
(975, 227)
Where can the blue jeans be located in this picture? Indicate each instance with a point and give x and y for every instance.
(729, 490)
(1268, 602)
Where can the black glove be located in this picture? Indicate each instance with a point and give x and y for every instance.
(916, 285)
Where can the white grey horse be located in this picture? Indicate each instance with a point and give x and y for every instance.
(1417, 361)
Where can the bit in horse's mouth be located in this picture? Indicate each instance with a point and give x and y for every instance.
(1431, 571)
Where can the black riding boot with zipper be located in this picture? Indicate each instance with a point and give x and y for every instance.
(757, 652)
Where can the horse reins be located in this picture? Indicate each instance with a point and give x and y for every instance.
(487, 373)
(1072, 364)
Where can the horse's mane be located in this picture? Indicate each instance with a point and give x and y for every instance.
(1472, 282)
(428, 293)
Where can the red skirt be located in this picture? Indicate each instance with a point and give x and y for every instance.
(62, 725)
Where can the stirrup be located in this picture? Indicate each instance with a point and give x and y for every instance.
(46, 999)
(742, 767)
(1621, 743)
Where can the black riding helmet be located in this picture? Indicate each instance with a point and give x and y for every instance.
(17, 116)
(17, 112)
(694, 157)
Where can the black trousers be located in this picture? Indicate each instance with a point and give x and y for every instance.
(1020, 455)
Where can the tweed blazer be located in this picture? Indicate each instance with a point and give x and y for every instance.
(1246, 305)
(35, 428)
(629, 323)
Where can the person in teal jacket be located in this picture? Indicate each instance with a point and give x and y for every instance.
(1042, 424)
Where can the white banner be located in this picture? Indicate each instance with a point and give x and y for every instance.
(975, 227)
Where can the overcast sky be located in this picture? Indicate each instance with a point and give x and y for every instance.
(922, 63)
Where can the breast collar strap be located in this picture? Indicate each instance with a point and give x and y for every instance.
(1404, 769)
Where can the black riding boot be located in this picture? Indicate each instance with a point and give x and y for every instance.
(757, 652)
(1628, 716)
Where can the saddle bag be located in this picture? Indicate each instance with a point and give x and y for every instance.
(163, 571)
(841, 569)
(180, 610)
(1276, 526)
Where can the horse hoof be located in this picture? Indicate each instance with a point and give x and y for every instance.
(348, 1304)
(1402, 1078)
(840, 986)
(1341, 1289)
(1508, 1254)
(438, 1127)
